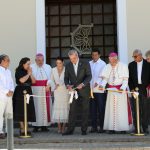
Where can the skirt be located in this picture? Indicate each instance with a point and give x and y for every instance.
(18, 105)
(61, 105)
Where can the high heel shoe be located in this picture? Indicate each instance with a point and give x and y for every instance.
(22, 133)
(59, 131)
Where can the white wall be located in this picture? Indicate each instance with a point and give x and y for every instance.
(138, 25)
(18, 29)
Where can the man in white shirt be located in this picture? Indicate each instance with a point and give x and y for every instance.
(97, 105)
(6, 92)
(139, 79)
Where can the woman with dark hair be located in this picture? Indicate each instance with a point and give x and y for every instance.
(61, 96)
(24, 80)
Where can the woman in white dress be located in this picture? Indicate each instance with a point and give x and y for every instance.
(61, 96)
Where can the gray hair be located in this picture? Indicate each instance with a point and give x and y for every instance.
(2, 57)
(72, 52)
(147, 53)
(137, 51)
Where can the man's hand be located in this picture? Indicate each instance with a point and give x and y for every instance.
(57, 85)
(121, 90)
(133, 93)
(30, 71)
(47, 88)
(69, 87)
(95, 85)
(101, 88)
(10, 94)
(80, 86)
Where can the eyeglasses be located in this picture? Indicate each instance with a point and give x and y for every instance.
(135, 56)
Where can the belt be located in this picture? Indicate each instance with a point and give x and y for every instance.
(24, 84)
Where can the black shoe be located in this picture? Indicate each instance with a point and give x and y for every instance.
(29, 133)
(36, 129)
(67, 133)
(123, 132)
(93, 130)
(111, 132)
(146, 131)
(2, 136)
(5, 134)
(101, 131)
(22, 133)
(44, 129)
(84, 133)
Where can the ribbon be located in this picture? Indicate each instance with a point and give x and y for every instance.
(28, 97)
(73, 94)
(135, 94)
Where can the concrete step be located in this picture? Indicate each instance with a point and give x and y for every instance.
(53, 140)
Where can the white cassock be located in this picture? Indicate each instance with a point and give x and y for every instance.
(117, 116)
(42, 104)
(6, 85)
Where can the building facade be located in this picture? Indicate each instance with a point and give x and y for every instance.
(31, 26)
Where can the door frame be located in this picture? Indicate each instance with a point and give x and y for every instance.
(121, 29)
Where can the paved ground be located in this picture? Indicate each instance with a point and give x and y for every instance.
(53, 141)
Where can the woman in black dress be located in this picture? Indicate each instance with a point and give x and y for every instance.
(24, 80)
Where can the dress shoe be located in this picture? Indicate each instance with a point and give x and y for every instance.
(29, 133)
(36, 129)
(101, 131)
(111, 132)
(5, 134)
(123, 132)
(44, 129)
(2, 136)
(93, 130)
(146, 131)
(84, 133)
(21, 133)
(67, 133)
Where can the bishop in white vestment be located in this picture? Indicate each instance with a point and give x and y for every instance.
(117, 114)
(42, 74)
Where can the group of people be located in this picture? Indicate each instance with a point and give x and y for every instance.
(97, 87)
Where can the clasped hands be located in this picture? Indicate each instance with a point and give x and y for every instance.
(10, 94)
(79, 87)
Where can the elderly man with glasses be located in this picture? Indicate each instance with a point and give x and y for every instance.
(139, 79)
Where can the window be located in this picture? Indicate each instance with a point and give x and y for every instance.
(63, 17)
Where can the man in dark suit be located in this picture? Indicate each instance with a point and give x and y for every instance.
(78, 75)
(139, 79)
